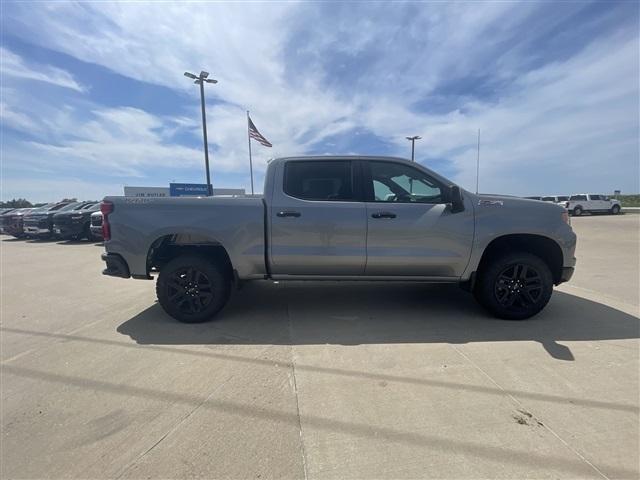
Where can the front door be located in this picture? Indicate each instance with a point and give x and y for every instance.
(411, 230)
(318, 221)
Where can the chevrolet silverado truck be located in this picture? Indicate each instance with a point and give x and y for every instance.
(75, 224)
(341, 218)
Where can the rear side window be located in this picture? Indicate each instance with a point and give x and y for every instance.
(319, 180)
(578, 197)
(595, 197)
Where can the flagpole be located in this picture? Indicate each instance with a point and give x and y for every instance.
(478, 164)
(250, 161)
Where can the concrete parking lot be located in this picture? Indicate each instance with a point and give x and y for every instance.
(318, 380)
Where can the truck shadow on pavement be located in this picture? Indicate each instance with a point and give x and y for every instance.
(342, 313)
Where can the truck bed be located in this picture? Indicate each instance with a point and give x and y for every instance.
(138, 223)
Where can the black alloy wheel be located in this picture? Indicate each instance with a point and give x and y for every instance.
(518, 285)
(514, 286)
(190, 290)
(193, 288)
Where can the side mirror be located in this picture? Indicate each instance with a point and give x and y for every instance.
(455, 199)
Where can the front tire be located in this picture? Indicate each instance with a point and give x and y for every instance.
(515, 286)
(192, 289)
(615, 210)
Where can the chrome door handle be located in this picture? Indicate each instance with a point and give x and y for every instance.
(383, 215)
(288, 213)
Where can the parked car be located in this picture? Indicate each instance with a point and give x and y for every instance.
(96, 225)
(581, 203)
(560, 199)
(341, 218)
(11, 222)
(39, 222)
(75, 224)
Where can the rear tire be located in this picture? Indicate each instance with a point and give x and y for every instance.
(192, 288)
(615, 210)
(577, 211)
(515, 286)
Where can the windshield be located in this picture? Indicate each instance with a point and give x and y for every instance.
(71, 206)
(66, 208)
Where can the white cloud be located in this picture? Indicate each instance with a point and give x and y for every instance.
(558, 126)
(119, 141)
(14, 66)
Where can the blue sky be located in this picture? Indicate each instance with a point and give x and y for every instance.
(94, 97)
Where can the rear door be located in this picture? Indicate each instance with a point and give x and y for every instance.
(317, 219)
(411, 230)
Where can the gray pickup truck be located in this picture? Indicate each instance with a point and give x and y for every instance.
(341, 218)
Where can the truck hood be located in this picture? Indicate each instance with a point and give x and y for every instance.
(72, 213)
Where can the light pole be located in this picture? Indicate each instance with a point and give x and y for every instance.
(413, 144)
(200, 80)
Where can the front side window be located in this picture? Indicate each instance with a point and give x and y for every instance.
(319, 180)
(563, 198)
(393, 182)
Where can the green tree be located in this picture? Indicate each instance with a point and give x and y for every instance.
(17, 203)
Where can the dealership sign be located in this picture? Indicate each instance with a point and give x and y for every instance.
(146, 191)
(188, 189)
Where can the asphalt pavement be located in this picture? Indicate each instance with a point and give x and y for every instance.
(318, 380)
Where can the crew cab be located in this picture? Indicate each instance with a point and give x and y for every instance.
(590, 202)
(341, 218)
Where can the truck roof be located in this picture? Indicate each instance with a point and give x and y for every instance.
(360, 157)
(340, 157)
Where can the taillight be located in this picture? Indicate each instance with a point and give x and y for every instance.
(106, 208)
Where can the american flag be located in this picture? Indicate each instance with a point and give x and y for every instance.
(256, 135)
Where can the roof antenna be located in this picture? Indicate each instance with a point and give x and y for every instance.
(478, 164)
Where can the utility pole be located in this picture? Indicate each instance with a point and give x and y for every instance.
(413, 144)
(200, 80)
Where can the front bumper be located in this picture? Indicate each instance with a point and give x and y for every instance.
(566, 274)
(37, 231)
(116, 265)
(69, 230)
(96, 231)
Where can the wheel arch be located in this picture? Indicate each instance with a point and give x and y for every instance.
(543, 247)
(170, 245)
